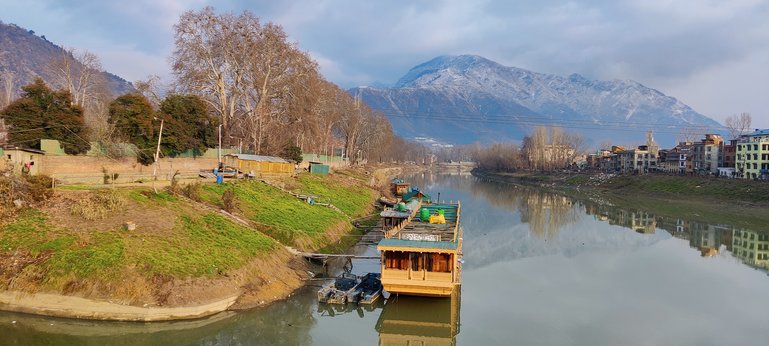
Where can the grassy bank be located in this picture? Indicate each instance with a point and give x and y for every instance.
(735, 202)
(180, 252)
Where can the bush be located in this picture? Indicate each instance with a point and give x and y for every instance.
(98, 205)
(193, 191)
(228, 200)
(173, 189)
(29, 189)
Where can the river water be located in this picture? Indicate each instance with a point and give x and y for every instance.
(540, 269)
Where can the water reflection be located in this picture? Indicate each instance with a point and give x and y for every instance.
(547, 213)
(409, 320)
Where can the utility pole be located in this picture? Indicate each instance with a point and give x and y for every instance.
(157, 156)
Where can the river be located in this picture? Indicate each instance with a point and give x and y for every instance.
(540, 269)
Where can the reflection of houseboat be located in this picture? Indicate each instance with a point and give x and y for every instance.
(421, 252)
(419, 321)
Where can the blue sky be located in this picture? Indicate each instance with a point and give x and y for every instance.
(711, 54)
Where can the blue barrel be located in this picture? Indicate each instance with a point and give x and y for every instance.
(219, 179)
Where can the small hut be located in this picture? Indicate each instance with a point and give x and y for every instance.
(399, 187)
(23, 160)
(318, 168)
(418, 195)
(259, 165)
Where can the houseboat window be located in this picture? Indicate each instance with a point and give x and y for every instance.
(417, 261)
(438, 262)
(396, 260)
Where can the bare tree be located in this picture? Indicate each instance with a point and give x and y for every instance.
(152, 88)
(738, 124)
(209, 59)
(691, 133)
(78, 73)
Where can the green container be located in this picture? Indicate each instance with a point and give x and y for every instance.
(440, 212)
(424, 214)
(401, 206)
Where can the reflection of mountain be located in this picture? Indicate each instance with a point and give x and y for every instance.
(409, 320)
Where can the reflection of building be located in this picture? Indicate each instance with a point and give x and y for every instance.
(751, 247)
(409, 320)
(709, 237)
(639, 221)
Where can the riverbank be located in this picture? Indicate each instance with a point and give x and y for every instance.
(737, 202)
(182, 257)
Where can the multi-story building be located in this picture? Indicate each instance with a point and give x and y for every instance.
(678, 159)
(707, 154)
(752, 159)
(642, 159)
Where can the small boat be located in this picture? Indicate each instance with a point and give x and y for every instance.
(350, 288)
(336, 292)
(369, 290)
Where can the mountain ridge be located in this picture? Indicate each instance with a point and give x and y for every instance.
(473, 90)
(26, 56)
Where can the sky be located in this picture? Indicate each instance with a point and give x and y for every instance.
(712, 55)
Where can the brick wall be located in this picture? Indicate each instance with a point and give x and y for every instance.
(88, 169)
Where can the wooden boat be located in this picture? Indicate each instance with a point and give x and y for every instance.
(423, 258)
(336, 292)
(350, 288)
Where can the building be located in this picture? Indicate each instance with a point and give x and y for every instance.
(752, 158)
(707, 156)
(642, 159)
(677, 160)
(258, 165)
(22, 160)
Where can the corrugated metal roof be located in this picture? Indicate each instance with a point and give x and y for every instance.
(260, 158)
(395, 213)
(758, 132)
(441, 245)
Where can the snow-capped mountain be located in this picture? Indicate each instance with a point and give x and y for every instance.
(467, 98)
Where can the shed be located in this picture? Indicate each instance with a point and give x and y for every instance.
(23, 160)
(318, 168)
(399, 187)
(259, 165)
(416, 194)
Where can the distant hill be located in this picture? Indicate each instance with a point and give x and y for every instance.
(467, 98)
(27, 56)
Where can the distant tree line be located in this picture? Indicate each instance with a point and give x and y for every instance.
(547, 148)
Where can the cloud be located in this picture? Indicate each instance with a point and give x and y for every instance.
(674, 46)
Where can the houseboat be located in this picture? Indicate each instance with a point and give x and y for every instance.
(421, 250)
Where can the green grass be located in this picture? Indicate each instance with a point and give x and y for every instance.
(286, 216)
(199, 245)
(352, 200)
(723, 189)
(204, 245)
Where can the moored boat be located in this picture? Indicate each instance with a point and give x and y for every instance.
(350, 288)
(421, 254)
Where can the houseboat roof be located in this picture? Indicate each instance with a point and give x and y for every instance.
(418, 244)
(412, 194)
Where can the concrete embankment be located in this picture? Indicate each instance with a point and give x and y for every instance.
(76, 307)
